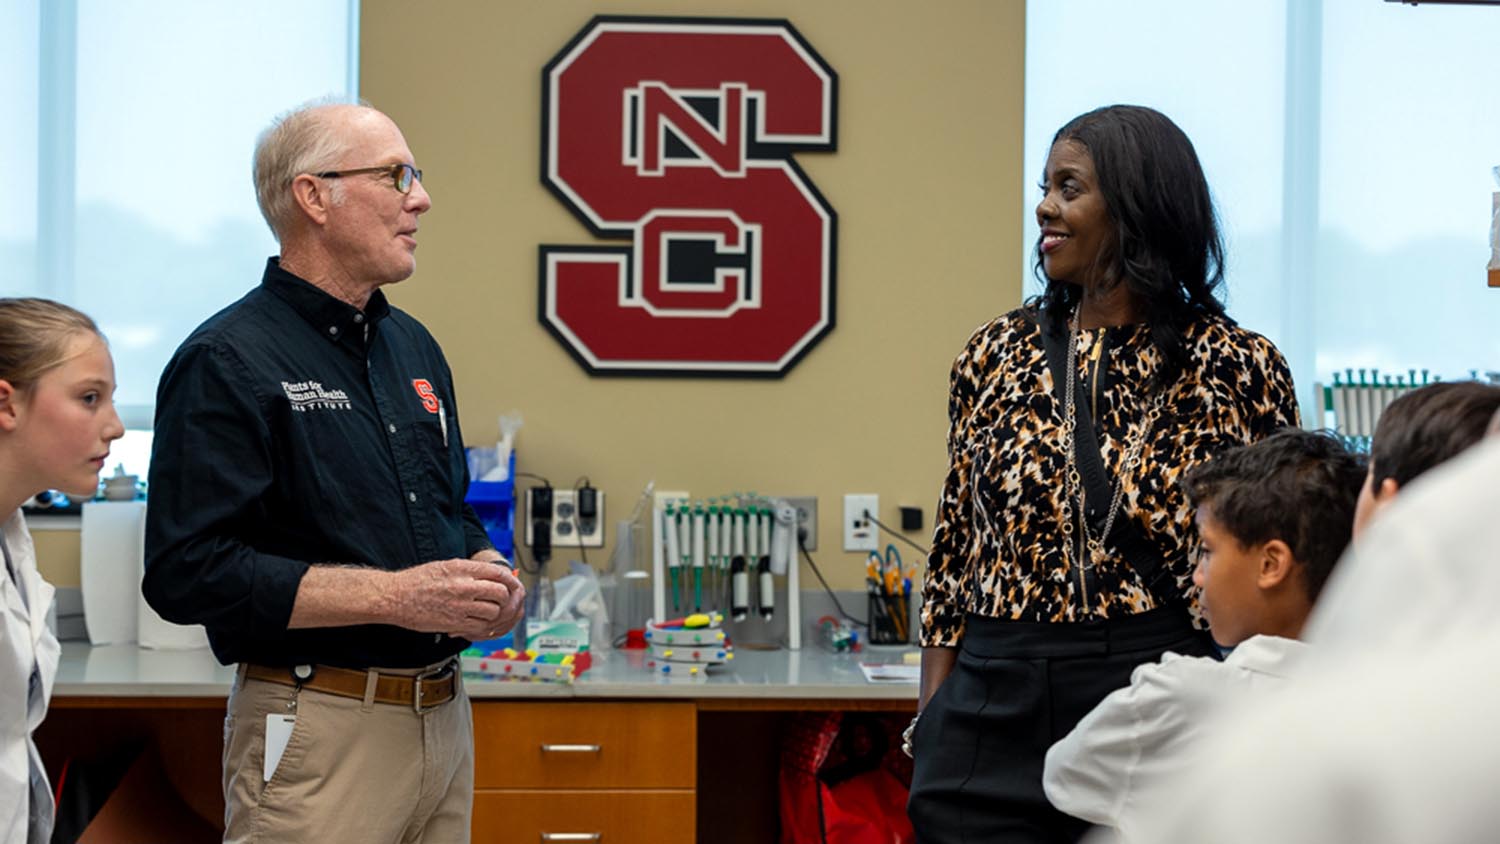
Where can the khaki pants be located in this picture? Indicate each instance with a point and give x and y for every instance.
(351, 771)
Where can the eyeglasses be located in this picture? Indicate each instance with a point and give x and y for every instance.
(402, 175)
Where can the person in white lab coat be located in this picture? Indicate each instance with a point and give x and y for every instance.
(1382, 738)
(1417, 432)
(57, 419)
(1273, 519)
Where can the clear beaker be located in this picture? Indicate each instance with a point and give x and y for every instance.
(632, 575)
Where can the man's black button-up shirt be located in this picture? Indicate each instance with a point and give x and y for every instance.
(293, 429)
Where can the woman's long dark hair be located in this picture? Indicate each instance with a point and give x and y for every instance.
(1168, 251)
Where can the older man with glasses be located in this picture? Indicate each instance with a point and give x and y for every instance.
(307, 507)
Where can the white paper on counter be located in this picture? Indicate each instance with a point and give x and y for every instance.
(888, 672)
(112, 542)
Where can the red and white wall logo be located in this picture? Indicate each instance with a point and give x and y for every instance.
(677, 135)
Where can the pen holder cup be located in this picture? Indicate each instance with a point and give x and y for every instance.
(890, 619)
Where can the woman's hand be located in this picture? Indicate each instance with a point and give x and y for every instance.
(937, 664)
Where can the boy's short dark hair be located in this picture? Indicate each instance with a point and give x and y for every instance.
(1296, 486)
(1429, 426)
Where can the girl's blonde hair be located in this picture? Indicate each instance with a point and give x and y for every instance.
(34, 337)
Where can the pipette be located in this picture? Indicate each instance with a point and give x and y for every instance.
(674, 559)
(767, 584)
(739, 587)
(699, 552)
(713, 553)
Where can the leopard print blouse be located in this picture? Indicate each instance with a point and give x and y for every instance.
(997, 549)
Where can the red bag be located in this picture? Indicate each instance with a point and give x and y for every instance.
(844, 780)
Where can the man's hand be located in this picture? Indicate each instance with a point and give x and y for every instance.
(464, 598)
(510, 614)
(470, 599)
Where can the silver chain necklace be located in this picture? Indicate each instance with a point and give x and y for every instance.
(1078, 540)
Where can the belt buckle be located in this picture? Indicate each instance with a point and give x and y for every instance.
(416, 685)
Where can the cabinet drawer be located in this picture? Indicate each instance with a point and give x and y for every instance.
(585, 745)
(616, 817)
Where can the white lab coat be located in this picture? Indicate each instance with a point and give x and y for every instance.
(1110, 770)
(26, 643)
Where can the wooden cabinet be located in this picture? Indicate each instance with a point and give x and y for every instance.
(614, 816)
(570, 771)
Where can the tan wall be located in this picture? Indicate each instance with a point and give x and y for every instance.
(58, 556)
(930, 120)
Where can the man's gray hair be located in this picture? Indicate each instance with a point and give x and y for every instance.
(297, 142)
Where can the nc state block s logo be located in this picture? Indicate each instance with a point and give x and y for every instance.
(429, 398)
(677, 135)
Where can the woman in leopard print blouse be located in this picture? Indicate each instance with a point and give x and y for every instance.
(1042, 596)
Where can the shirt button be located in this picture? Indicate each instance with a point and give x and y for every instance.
(359, 318)
(334, 330)
(391, 428)
(412, 497)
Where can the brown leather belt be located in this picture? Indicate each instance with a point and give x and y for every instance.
(421, 692)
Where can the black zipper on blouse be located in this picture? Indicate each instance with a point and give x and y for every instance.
(1096, 384)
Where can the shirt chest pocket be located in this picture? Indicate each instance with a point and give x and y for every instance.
(433, 442)
(429, 414)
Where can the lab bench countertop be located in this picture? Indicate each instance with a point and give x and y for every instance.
(129, 671)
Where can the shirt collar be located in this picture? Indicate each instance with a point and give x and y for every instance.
(1264, 654)
(334, 319)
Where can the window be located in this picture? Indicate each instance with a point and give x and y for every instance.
(1408, 138)
(1348, 143)
(132, 123)
(18, 145)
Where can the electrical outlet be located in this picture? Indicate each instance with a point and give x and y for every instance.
(860, 534)
(807, 518)
(566, 529)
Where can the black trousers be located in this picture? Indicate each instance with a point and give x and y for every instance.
(1017, 688)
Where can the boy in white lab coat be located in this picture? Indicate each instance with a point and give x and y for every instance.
(1417, 432)
(1273, 518)
(1380, 739)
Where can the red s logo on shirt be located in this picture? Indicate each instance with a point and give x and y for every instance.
(425, 393)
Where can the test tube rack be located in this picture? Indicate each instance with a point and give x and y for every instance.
(687, 646)
(525, 667)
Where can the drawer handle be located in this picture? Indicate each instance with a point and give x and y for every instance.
(572, 748)
(572, 836)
